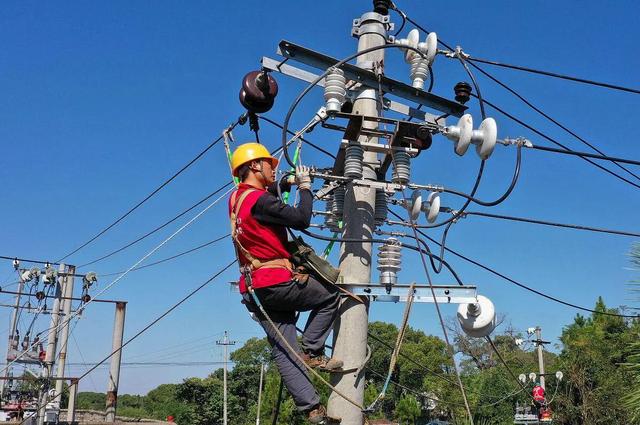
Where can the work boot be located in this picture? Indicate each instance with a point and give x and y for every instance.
(322, 362)
(319, 416)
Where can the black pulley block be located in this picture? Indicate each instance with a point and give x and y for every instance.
(258, 92)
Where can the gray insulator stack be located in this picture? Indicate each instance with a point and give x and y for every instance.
(337, 208)
(389, 262)
(381, 209)
(353, 158)
(401, 168)
(335, 90)
(329, 220)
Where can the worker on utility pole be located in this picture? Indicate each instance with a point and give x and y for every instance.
(258, 222)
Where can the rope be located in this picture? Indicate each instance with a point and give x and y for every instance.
(295, 353)
(396, 350)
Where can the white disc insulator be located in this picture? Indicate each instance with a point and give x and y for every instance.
(412, 41)
(415, 205)
(532, 377)
(465, 125)
(431, 213)
(559, 376)
(489, 129)
(477, 319)
(432, 47)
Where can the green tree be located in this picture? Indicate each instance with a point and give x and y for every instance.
(632, 399)
(593, 349)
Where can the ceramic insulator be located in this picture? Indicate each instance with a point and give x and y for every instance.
(380, 212)
(419, 71)
(389, 261)
(401, 168)
(335, 90)
(354, 155)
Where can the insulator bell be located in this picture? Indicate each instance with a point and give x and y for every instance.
(258, 92)
(353, 161)
(477, 319)
(462, 91)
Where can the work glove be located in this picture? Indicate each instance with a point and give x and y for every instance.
(303, 178)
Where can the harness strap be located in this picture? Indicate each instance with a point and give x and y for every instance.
(277, 263)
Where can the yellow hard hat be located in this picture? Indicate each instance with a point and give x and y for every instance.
(249, 152)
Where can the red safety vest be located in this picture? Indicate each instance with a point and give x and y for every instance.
(538, 393)
(266, 243)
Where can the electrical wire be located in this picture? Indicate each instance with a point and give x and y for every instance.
(107, 287)
(556, 142)
(162, 226)
(382, 241)
(551, 223)
(548, 117)
(144, 329)
(513, 375)
(4, 257)
(615, 160)
(149, 196)
(556, 75)
(535, 291)
(417, 25)
(313, 145)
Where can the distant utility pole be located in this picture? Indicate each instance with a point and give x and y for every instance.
(539, 343)
(350, 341)
(52, 342)
(114, 370)
(67, 293)
(262, 368)
(225, 343)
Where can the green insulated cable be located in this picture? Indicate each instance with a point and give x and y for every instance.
(296, 157)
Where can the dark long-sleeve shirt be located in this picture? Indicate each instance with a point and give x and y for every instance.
(271, 210)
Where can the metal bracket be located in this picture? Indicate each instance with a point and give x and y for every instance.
(301, 74)
(445, 294)
(368, 78)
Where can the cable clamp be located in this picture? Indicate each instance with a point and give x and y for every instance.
(458, 53)
(518, 141)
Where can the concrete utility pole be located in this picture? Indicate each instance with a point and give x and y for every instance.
(540, 343)
(67, 293)
(13, 327)
(262, 368)
(350, 331)
(226, 343)
(52, 342)
(114, 371)
(73, 398)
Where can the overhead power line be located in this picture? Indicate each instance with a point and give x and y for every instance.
(551, 223)
(548, 117)
(160, 227)
(556, 75)
(557, 143)
(515, 282)
(173, 257)
(4, 257)
(417, 25)
(149, 196)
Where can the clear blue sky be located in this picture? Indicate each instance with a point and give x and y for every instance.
(100, 102)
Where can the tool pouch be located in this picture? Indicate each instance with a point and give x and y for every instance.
(302, 255)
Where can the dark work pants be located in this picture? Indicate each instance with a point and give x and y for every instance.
(282, 302)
